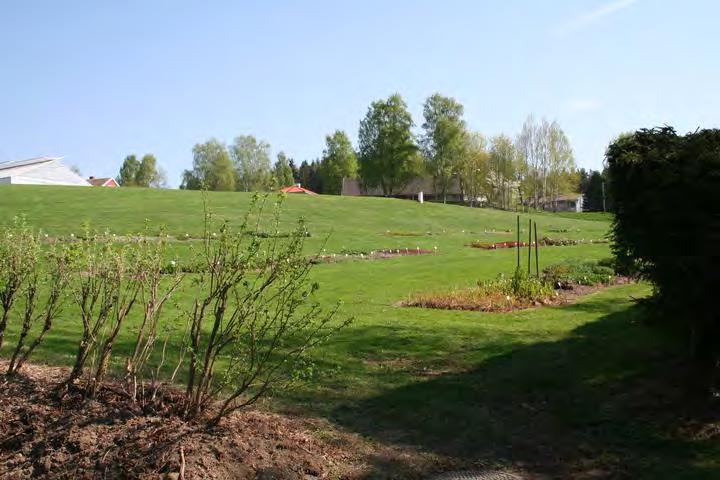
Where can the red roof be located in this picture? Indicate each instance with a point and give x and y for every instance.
(297, 189)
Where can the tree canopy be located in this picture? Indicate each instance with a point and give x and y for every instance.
(144, 173)
(387, 150)
(444, 141)
(338, 162)
(212, 168)
(251, 159)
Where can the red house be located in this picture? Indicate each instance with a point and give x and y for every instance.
(103, 182)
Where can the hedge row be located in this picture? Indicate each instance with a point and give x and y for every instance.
(666, 189)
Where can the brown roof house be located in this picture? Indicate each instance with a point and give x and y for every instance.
(103, 182)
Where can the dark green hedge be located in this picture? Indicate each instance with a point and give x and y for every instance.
(666, 191)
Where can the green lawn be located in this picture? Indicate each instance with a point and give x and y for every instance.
(560, 387)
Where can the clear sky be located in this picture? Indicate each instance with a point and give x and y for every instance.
(97, 80)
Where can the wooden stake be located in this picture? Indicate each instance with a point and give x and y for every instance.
(537, 255)
(518, 241)
(529, 245)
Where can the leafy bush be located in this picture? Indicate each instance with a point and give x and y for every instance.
(577, 272)
(666, 190)
(520, 285)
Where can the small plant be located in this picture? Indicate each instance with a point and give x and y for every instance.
(574, 272)
(520, 285)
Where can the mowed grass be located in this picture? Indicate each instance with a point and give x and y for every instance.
(555, 389)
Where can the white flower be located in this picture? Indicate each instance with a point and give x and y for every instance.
(507, 297)
(172, 263)
(72, 235)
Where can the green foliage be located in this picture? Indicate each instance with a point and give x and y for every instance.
(282, 173)
(519, 285)
(212, 168)
(338, 162)
(666, 192)
(128, 171)
(33, 281)
(143, 173)
(578, 272)
(445, 141)
(309, 176)
(387, 151)
(473, 169)
(19, 252)
(251, 159)
(255, 310)
(502, 163)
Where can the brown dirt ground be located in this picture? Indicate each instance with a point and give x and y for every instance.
(44, 437)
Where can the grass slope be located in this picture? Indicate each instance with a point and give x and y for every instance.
(528, 387)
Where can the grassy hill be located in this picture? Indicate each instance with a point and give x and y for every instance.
(466, 384)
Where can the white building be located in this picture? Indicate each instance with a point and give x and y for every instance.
(39, 171)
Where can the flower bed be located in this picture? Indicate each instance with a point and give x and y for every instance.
(545, 242)
(372, 254)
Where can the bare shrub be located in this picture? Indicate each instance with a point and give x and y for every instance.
(44, 294)
(156, 288)
(19, 251)
(254, 317)
(105, 289)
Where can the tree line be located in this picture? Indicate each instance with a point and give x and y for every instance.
(245, 166)
(533, 168)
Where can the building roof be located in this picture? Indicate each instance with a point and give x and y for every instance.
(101, 182)
(25, 165)
(297, 189)
(39, 171)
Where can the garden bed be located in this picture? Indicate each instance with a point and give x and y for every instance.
(41, 436)
(372, 254)
(474, 299)
(544, 242)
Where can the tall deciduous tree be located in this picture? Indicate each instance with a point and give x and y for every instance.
(212, 168)
(251, 158)
(444, 140)
(503, 160)
(143, 173)
(282, 172)
(473, 169)
(338, 162)
(148, 173)
(387, 152)
(128, 171)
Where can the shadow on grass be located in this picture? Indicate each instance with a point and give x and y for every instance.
(606, 402)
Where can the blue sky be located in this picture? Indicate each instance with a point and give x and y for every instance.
(94, 81)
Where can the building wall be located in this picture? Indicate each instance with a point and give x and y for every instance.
(50, 173)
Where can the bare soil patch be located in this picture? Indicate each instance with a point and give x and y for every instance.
(44, 437)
